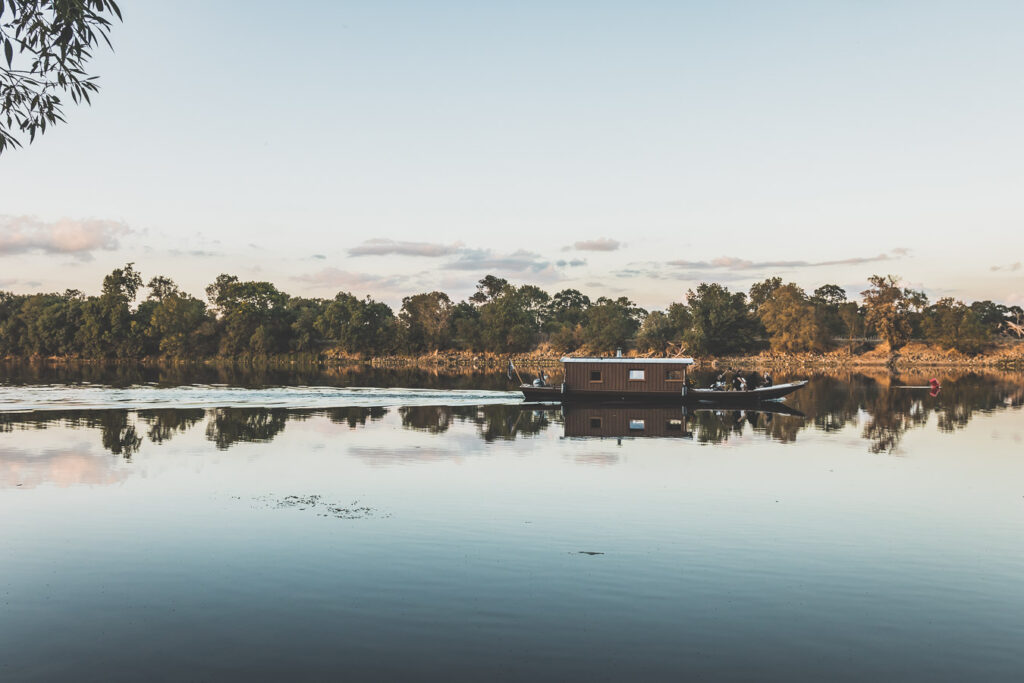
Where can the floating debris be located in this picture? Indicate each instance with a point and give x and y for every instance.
(324, 509)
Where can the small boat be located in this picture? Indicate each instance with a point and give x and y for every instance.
(640, 379)
(772, 393)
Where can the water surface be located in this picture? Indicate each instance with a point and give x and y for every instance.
(254, 530)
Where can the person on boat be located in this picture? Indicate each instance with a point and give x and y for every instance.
(766, 380)
(738, 383)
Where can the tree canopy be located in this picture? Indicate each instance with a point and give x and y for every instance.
(250, 319)
(47, 45)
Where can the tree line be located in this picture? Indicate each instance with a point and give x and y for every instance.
(256, 319)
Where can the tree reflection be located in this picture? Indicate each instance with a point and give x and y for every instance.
(229, 426)
(432, 419)
(163, 424)
(879, 405)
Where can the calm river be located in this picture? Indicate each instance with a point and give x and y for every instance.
(210, 524)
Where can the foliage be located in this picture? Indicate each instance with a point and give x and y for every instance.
(425, 319)
(793, 322)
(890, 309)
(251, 320)
(954, 325)
(611, 323)
(47, 45)
(719, 321)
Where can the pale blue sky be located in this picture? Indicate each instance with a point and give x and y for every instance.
(692, 141)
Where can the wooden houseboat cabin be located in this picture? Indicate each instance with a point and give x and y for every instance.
(616, 378)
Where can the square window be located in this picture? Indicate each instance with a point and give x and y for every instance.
(637, 375)
(595, 423)
(674, 375)
(595, 375)
(636, 425)
(675, 425)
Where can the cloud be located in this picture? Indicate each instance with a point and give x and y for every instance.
(733, 263)
(1010, 268)
(79, 238)
(576, 262)
(600, 244)
(383, 247)
(318, 257)
(334, 278)
(484, 259)
(199, 253)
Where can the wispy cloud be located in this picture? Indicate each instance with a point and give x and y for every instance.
(79, 238)
(358, 283)
(599, 244)
(1010, 268)
(733, 263)
(484, 259)
(385, 247)
(575, 263)
(198, 253)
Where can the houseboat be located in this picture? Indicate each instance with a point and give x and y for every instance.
(640, 379)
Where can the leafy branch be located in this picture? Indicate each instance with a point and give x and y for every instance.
(46, 46)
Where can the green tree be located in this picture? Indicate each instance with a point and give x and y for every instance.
(954, 325)
(425, 318)
(793, 323)
(107, 327)
(359, 325)
(253, 316)
(719, 321)
(510, 322)
(611, 323)
(762, 291)
(183, 327)
(656, 333)
(47, 45)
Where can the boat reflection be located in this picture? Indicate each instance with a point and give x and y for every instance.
(704, 422)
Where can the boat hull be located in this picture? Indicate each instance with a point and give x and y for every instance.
(556, 394)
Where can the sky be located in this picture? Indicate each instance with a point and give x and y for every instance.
(623, 149)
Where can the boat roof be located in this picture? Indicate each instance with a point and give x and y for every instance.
(630, 361)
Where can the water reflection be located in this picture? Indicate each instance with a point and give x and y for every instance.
(874, 404)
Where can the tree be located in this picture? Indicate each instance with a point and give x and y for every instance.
(611, 323)
(47, 45)
(828, 299)
(954, 325)
(762, 291)
(889, 309)
(161, 287)
(656, 332)
(425, 318)
(852, 317)
(253, 315)
(793, 323)
(358, 325)
(720, 323)
(488, 289)
(182, 327)
(510, 322)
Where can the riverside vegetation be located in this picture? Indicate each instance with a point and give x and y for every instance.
(249, 320)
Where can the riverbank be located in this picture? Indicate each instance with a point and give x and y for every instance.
(1006, 354)
(1003, 354)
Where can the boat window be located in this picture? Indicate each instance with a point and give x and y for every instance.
(674, 375)
(595, 423)
(595, 375)
(674, 425)
(636, 425)
(636, 374)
